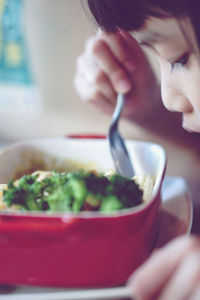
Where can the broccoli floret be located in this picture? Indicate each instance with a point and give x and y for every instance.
(75, 191)
(59, 200)
(110, 204)
(124, 189)
(78, 192)
(26, 193)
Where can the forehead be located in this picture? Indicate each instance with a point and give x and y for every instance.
(156, 30)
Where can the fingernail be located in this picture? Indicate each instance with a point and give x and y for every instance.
(123, 86)
(130, 66)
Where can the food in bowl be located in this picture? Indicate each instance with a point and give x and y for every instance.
(76, 191)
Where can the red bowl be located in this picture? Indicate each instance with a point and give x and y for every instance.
(86, 249)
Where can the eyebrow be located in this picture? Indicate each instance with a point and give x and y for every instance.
(150, 38)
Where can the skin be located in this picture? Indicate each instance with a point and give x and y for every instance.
(114, 63)
(170, 273)
(174, 271)
(180, 71)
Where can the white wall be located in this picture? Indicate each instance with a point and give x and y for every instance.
(56, 32)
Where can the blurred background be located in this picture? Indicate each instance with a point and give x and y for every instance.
(40, 41)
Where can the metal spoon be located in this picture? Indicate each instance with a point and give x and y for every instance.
(118, 149)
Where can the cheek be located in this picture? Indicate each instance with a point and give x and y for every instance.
(168, 91)
(181, 85)
(190, 85)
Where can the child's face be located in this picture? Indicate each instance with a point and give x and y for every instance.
(180, 69)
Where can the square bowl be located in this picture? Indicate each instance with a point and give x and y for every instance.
(86, 249)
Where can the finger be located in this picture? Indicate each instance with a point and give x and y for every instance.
(83, 87)
(139, 55)
(87, 87)
(121, 50)
(104, 85)
(185, 280)
(133, 44)
(87, 66)
(112, 67)
(91, 74)
(196, 294)
(153, 274)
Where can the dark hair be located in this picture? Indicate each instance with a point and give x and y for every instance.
(130, 15)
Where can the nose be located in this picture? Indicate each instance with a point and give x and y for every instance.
(178, 104)
(175, 101)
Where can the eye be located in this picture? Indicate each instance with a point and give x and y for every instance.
(180, 63)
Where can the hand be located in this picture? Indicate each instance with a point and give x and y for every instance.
(115, 63)
(170, 273)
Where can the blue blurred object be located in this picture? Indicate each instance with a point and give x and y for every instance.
(14, 62)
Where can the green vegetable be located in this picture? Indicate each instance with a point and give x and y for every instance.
(73, 192)
(111, 203)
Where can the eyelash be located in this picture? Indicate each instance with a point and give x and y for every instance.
(180, 63)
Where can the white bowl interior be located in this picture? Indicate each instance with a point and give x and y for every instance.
(65, 153)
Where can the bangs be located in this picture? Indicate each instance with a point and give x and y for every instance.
(129, 15)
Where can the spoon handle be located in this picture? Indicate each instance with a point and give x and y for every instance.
(120, 155)
(118, 108)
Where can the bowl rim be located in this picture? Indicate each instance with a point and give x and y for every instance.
(91, 214)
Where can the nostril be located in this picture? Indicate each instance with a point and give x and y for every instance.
(181, 105)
